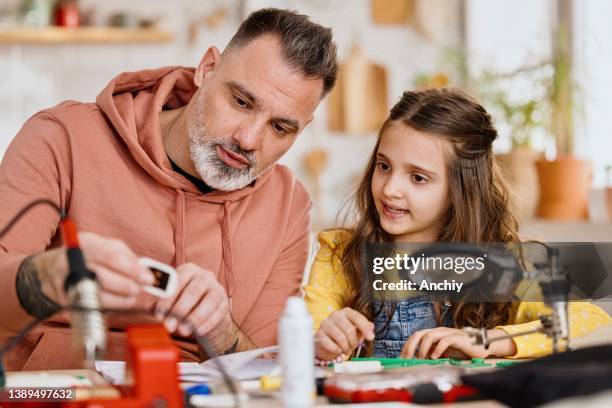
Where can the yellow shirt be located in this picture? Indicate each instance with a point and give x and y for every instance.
(327, 290)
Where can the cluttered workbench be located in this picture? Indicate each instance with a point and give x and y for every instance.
(264, 391)
(153, 376)
(400, 382)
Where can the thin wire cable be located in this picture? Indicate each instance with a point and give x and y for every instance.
(27, 208)
(202, 341)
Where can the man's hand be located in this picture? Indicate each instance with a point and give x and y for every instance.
(450, 342)
(341, 332)
(200, 305)
(120, 276)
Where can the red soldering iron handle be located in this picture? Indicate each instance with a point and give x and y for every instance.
(69, 233)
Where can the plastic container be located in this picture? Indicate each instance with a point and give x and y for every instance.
(297, 355)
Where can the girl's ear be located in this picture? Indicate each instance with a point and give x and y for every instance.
(209, 62)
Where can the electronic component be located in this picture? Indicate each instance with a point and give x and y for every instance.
(410, 384)
(166, 278)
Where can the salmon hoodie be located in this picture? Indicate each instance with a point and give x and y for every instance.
(104, 163)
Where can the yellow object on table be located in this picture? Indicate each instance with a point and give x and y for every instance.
(270, 382)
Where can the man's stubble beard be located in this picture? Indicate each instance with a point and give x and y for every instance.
(203, 151)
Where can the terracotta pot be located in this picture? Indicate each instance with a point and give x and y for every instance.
(564, 188)
(519, 169)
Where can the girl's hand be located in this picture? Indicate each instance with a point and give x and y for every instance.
(341, 332)
(449, 342)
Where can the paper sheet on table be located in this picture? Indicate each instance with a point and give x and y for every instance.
(241, 366)
(234, 362)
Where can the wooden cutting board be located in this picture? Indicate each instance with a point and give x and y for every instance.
(391, 11)
(358, 103)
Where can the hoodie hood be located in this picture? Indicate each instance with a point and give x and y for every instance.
(106, 166)
(133, 101)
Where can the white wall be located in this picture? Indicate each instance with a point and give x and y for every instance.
(503, 34)
(35, 77)
(594, 59)
(506, 35)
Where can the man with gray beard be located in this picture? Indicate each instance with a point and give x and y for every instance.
(190, 179)
(208, 163)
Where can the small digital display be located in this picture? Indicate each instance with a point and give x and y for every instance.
(161, 278)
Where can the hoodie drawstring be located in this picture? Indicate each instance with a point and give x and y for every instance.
(228, 260)
(179, 230)
(226, 242)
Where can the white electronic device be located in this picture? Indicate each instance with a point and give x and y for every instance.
(166, 279)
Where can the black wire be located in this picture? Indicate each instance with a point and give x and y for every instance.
(27, 208)
(13, 341)
(202, 341)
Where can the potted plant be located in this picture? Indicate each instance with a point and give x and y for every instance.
(518, 113)
(565, 181)
(514, 100)
(556, 189)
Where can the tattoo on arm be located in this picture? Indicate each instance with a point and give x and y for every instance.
(30, 293)
(230, 341)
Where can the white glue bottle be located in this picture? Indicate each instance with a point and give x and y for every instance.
(297, 354)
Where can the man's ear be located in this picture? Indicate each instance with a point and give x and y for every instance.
(209, 62)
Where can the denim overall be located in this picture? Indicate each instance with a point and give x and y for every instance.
(410, 316)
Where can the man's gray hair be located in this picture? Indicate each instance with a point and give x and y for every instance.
(305, 45)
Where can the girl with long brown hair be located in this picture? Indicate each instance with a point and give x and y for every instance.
(432, 177)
